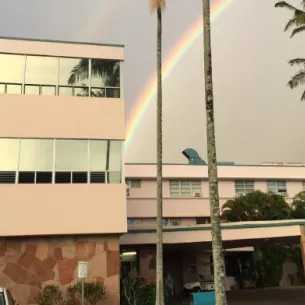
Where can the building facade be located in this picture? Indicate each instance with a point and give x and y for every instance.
(186, 212)
(62, 184)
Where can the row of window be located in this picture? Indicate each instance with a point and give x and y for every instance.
(60, 161)
(192, 188)
(47, 75)
(167, 222)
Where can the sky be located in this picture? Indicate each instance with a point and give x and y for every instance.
(258, 118)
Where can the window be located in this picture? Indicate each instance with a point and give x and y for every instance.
(135, 221)
(184, 188)
(175, 222)
(203, 220)
(59, 161)
(105, 78)
(134, 184)
(276, 186)
(41, 75)
(74, 76)
(71, 155)
(244, 186)
(11, 72)
(47, 75)
(303, 185)
(115, 162)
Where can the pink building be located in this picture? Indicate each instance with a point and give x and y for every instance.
(187, 237)
(62, 183)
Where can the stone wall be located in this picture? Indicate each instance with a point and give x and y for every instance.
(29, 264)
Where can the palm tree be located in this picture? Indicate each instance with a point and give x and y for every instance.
(218, 259)
(297, 22)
(159, 5)
(298, 19)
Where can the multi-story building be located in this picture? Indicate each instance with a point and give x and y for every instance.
(62, 186)
(186, 211)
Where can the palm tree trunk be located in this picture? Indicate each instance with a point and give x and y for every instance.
(218, 259)
(159, 254)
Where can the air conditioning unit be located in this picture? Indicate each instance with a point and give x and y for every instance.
(283, 193)
(241, 194)
(197, 194)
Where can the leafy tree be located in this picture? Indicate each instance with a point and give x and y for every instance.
(218, 259)
(256, 206)
(297, 24)
(159, 5)
(298, 206)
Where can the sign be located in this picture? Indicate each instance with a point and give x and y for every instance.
(82, 270)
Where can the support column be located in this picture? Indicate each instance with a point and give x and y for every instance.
(302, 243)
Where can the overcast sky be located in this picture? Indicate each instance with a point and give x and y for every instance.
(258, 118)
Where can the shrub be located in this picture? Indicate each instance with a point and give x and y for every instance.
(93, 293)
(50, 295)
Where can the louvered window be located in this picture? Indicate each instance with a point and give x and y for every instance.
(97, 177)
(244, 186)
(7, 177)
(184, 188)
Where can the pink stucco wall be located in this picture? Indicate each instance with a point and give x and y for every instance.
(61, 49)
(32, 209)
(34, 116)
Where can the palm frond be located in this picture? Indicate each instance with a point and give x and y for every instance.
(297, 79)
(80, 72)
(296, 61)
(292, 22)
(303, 96)
(284, 4)
(298, 30)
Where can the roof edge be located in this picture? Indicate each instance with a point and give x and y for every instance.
(64, 41)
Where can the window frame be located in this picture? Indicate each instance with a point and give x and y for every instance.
(194, 186)
(278, 189)
(244, 189)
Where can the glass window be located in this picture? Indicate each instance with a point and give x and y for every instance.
(36, 155)
(105, 73)
(276, 186)
(98, 155)
(71, 155)
(244, 186)
(74, 72)
(185, 188)
(41, 70)
(9, 154)
(11, 68)
(115, 156)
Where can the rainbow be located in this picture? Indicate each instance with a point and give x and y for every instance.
(146, 97)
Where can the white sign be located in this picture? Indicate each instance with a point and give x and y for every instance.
(82, 270)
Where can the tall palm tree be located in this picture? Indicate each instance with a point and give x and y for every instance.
(297, 22)
(158, 5)
(218, 259)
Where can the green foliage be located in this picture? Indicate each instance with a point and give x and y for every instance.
(135, 290)
(256, 206)
(50, 295)
(93, 293)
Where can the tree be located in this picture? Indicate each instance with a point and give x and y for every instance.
(297, 22)
(256, 206)
(159, 5)
(298, 206)
(218, 259)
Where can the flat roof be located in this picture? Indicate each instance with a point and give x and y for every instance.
(219, 164)
(64, 41)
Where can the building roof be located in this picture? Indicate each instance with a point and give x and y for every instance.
(64, 41)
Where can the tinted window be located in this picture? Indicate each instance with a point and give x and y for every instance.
(12, 68)
(98, 155)
(115, 156)
(41, 70)
(9, 154)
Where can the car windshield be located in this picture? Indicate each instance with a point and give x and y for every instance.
(2, 300)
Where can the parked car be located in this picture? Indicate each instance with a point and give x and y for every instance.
(6, 297)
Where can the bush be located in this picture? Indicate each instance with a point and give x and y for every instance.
(93, 293)
(50, 295)
(135, 290)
